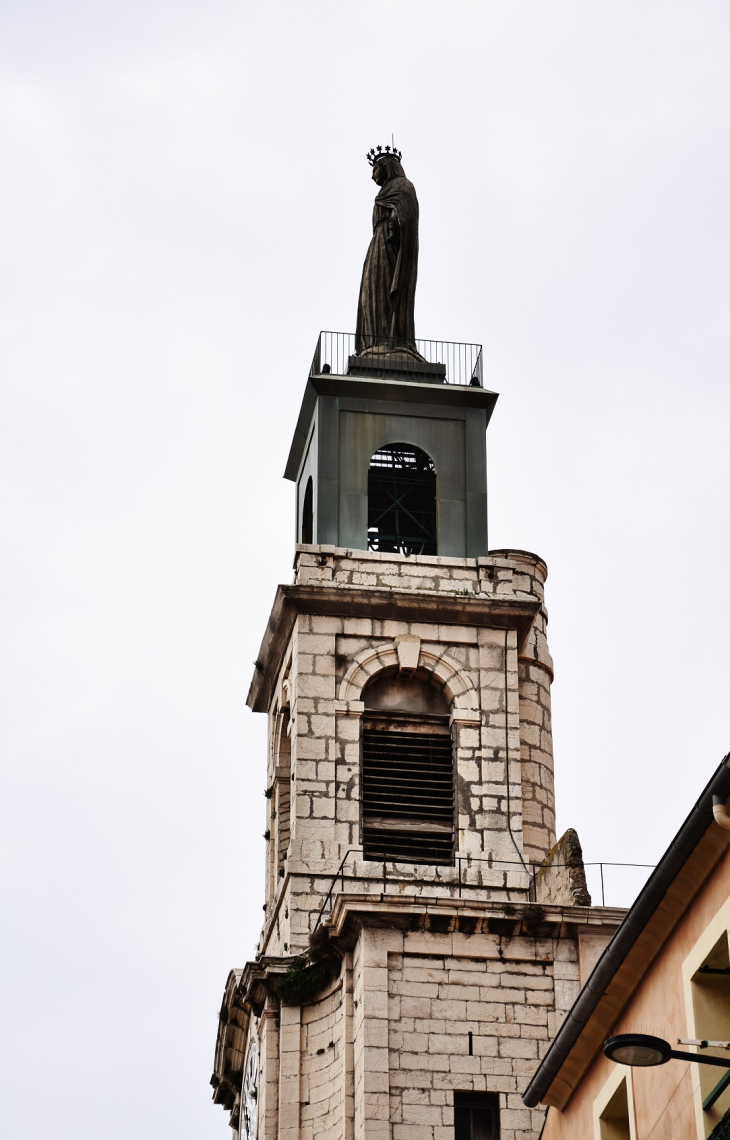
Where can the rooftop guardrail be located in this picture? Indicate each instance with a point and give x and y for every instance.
(395, 358)
(468, 874)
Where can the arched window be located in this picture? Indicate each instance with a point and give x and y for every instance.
(407, 772)
(283, 795)
(308, 514)
(402, 501)
(279, 798)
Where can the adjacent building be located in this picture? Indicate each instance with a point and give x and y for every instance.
(666, 974)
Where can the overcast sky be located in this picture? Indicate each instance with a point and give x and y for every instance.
(184, 204)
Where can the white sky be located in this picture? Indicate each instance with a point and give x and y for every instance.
(184, 203)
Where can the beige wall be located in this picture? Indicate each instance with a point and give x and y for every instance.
(664, 1098)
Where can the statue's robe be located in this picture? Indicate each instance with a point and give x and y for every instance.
(388, 287)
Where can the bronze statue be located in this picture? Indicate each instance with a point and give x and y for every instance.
(385, 320)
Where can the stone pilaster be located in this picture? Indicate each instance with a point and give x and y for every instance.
(289, 1072)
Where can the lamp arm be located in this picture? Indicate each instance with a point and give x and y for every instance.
(722, 1062)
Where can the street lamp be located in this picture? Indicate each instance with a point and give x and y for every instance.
(640, 1049)
(644, 1051)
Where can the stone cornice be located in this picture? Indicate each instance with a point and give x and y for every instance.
(433, 606)
(351, 911)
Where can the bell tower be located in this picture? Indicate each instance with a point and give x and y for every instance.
(354, 408)
(423, 933)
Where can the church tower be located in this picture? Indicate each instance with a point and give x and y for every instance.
(423, 935)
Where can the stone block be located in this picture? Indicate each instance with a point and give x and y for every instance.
(423, 1114)
(429, 1025)
(314, 685)
(428, 942)
(415, 1007)
(449, 1009)
(323, 624)
(501, 994)
(408, 1042)
(349, 728)
(539, 997)
(464, 1064)
(484, 1011)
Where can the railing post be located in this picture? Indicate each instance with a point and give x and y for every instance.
(603, 893)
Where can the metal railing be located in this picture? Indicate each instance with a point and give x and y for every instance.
(460, 880)
(721, 1131)
(395, 358)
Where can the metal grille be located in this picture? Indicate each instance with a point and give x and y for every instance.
(721, 1131)
(408, 795)
(402, 501)
(476, 1115)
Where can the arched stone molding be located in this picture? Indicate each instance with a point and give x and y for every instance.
(447, 674)
(233, 1021)
(365, 665)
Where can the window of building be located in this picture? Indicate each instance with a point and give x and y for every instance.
(613, 1108)
(308, 513)
(710, 987)
(476, 1116)
(407, 772)
(282, 799)
(614, 1122)
(279, 802)
(402, 501)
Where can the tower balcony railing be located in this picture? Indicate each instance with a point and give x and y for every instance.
(609, 884)
(397, 358)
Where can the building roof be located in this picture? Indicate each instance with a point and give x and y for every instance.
(686, 865)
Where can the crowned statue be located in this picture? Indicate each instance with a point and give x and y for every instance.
(385, 321)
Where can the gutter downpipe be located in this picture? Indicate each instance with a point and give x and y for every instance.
(661, 878)
(720, 811)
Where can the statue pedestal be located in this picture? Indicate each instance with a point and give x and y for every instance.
(396, 365)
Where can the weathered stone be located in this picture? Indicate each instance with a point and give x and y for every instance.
(425, 955)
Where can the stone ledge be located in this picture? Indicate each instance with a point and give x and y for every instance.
(350, 912)
(378, 602)
(505, 558)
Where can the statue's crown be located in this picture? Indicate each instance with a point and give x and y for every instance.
(379, 152)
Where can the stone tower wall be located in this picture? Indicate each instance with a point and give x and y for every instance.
(497, 684)
(448, 979)
(536, 743)
(323, 1078)
(427, 1001)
